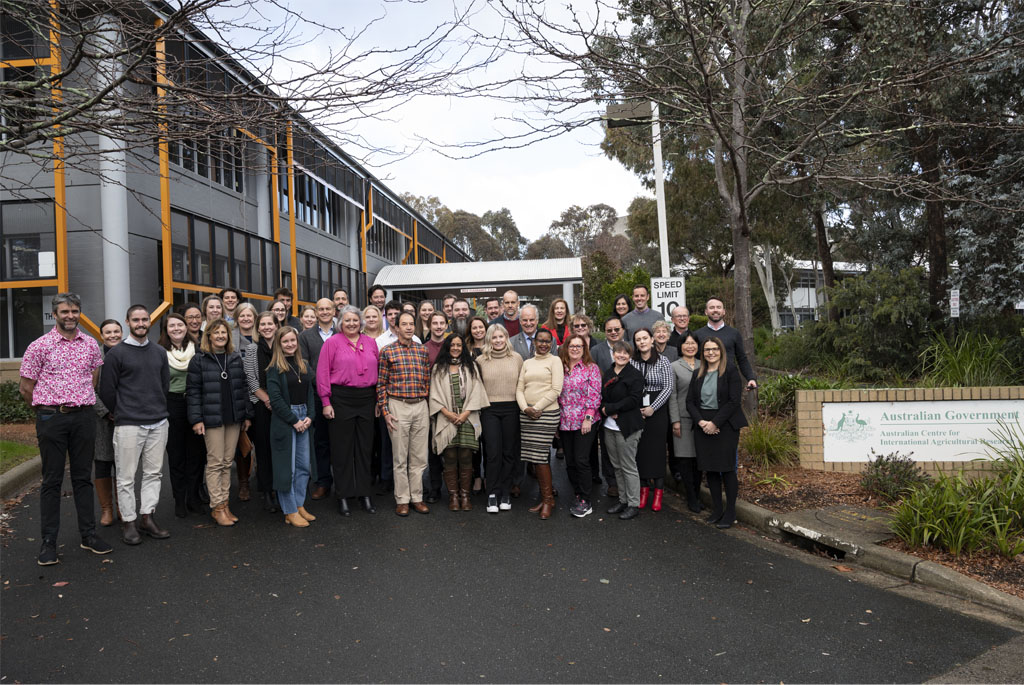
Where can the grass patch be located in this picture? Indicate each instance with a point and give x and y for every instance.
(770, 443)
(14, 453)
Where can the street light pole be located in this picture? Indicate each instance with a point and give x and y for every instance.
(659, 189)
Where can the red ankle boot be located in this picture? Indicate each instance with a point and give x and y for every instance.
(658, 494)
(644, 491)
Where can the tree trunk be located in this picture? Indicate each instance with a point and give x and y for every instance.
(935, 225)
(767, 278)
(825, 257)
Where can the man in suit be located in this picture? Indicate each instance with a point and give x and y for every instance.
(311, 341)
(680, 327)
(522, 342)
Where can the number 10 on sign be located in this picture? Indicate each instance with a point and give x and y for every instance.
(667, 294)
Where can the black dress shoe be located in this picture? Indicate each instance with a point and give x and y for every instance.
(723, 525)
(343, 507)
(270, 502)
(695, 508)
(629, 513)
(368, 505)
(433, 496)
(714, 517)
(150, 527)
(617, 508)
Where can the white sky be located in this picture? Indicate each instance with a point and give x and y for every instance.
(535, 183)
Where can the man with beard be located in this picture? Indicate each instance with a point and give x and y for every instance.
(730, 337)
(133, 387)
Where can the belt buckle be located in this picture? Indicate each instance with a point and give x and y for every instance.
(65, 409)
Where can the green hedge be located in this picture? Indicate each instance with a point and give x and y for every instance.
(12, 407)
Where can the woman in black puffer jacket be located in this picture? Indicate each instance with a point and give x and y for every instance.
(217, 398)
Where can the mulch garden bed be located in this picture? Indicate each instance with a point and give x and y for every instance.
(808, 489)
(24, 433)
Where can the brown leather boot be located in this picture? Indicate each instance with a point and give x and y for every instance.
(451, 481)
(220, 515)
(227, 510)
(104, 493)
(465, 482)
(547, 496)
(244, 465)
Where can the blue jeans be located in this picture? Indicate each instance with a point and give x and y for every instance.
(296, 497)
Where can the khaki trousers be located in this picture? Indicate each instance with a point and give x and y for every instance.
(409, 449)
(220, 452)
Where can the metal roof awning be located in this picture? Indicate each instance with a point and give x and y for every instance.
(484, 279)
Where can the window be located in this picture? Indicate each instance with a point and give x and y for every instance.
(28, 236)
(205, 253)
(318, 277)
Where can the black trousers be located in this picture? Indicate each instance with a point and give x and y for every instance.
(435, 467)
(186, 451)
(690, 475)
(71, 438)
(500, 425)
(351, 454)
(576, 446)
(732, 485)
(322, 446)
(259, 433)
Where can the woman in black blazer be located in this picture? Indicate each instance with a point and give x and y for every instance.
(622, 389)
(714, 401)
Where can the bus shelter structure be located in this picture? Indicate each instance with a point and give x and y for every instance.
(530, 278)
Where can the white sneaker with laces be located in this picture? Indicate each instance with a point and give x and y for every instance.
(492, 504)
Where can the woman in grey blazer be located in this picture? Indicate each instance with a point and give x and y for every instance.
(684, 466)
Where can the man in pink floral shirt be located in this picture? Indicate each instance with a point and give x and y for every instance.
(58, 378)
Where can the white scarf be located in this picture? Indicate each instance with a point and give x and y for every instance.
(179, 359)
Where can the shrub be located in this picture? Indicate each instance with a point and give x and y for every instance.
(776, 395)
(13, 408)
(891, 475)
(962, 516)
(792, 351)
(770, 442)
(971, 359)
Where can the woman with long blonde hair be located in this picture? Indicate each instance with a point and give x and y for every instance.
(290, 384)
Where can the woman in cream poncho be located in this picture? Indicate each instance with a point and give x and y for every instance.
(456, 397)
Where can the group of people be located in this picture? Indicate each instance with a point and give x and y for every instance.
(381, 396)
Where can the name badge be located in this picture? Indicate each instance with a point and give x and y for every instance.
(647, 399)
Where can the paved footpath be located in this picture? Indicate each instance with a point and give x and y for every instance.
(459, 597)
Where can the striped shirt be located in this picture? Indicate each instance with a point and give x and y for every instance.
(403, 372)
(659, 380)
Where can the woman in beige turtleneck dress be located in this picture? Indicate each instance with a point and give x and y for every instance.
(540, 383)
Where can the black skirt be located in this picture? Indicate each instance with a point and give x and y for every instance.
(715, 452)
(651, 453)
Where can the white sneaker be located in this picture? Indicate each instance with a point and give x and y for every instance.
(506, 504)
(492, 504)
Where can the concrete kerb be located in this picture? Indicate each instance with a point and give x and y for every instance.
(876, 557)
(19, 478)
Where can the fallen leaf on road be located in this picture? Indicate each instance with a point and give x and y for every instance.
(867, 611)
(805, 620)
(605, 581)
(841, 568)
(607, 630)
(750, 582)
(337, 596)
(60, 583)
(107, 561)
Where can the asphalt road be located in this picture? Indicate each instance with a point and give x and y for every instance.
(457, 597)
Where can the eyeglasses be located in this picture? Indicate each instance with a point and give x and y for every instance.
(194, 317)
(575, 347)
(711, 349)
(612, 330)
(579, 325)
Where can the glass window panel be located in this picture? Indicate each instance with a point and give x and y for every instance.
(256, 266)
(221, 256)
(201, 264)
(273, 257)
(240, 262)
(180, 262)
(28, 235)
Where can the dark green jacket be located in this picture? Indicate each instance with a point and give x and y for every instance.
(282, 423)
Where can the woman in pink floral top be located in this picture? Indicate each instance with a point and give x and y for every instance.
(579, 401)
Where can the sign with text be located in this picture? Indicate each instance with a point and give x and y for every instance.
(950, 430)
(666, 294)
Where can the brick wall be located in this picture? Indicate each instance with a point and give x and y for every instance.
(810, 427)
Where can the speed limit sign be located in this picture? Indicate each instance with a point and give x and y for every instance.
(667, 294)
